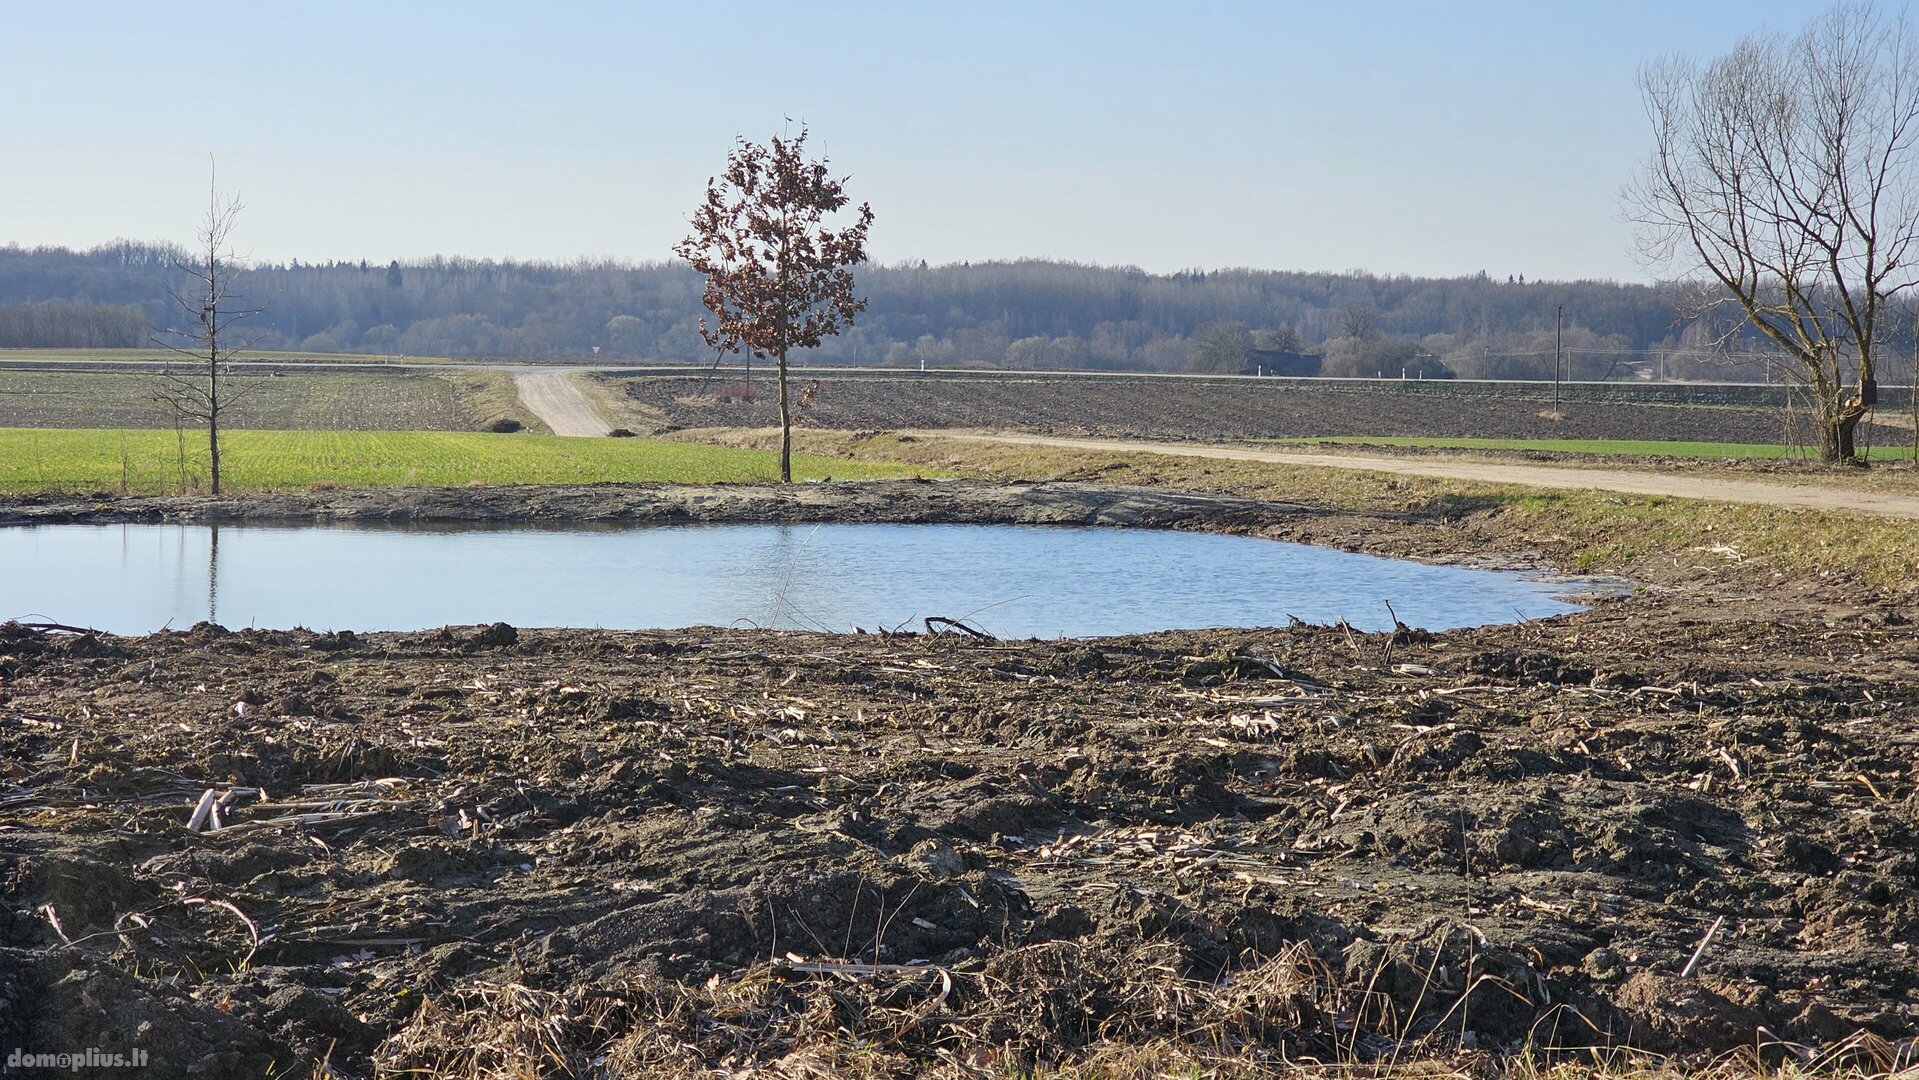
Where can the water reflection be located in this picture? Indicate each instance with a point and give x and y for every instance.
(1012, 580)
(213, 573)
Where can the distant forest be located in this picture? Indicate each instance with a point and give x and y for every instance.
(1024, 314)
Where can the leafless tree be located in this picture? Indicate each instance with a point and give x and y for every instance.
(1220, 348)
(209, 310)
(1358, 319)
(777, 276)
(1282, 338)
(1782, 181)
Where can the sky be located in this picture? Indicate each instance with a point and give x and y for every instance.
(1425, 137)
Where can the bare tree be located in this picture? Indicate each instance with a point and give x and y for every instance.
(1359, 320)
(209, 310)
(1282, 338)
(1782, 181)
(1220, 348)
(777, 277)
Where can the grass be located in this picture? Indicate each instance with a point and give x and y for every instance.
(1614, 447)
(486, 396)
(618, 407)
(1649, 538)
(79, 460)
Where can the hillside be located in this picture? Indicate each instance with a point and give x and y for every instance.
(1028, 313)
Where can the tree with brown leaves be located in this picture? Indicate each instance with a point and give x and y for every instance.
(778, 276)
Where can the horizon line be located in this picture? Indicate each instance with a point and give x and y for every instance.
(909, 263)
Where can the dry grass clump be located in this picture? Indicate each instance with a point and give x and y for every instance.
(489, 396)
(616, 407)
(506, 1031)
(1054, 1009)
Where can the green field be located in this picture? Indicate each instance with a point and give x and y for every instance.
(1614, 447)
(161, 463)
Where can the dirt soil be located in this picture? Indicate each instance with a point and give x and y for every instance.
(553, 397)
(323, 399)
(901, 501)
(488, 851)
(1192, 409)
(1723, 486)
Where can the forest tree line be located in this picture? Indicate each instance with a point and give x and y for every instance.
(1020, 314)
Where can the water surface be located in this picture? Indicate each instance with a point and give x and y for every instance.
(1014, 581)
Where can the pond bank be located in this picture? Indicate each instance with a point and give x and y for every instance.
(962, 502)
(875, 501)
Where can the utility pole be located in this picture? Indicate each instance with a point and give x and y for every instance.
(1559, 326)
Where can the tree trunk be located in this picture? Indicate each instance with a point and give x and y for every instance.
(1840, 443)
(1836, 445)
(1839, 416)
(786, 427)
(213, 415)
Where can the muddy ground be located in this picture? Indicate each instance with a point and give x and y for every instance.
(1191, 409)
(488, 851)
(898, 501)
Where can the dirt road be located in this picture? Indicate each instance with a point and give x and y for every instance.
(551, 396)
(1550, 476)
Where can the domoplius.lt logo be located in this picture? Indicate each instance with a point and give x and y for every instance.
(74, 1060)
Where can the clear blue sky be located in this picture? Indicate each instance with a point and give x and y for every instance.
(1403, 137)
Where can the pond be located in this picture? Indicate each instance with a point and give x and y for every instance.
(1009, 580)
